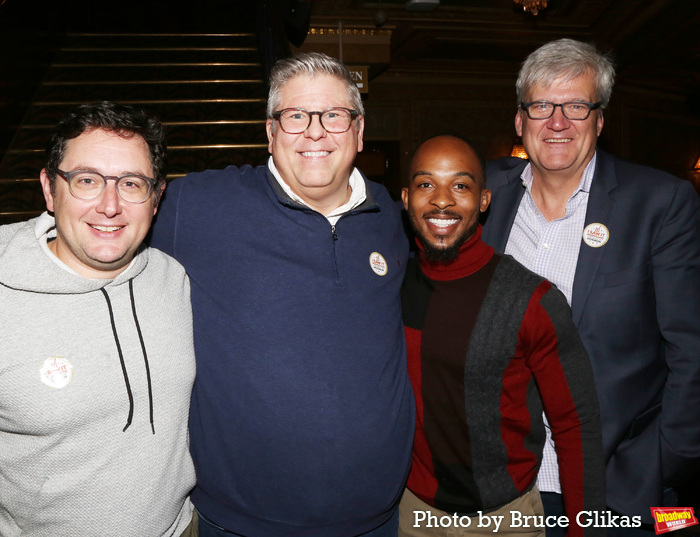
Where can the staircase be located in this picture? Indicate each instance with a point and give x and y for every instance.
(208, 90)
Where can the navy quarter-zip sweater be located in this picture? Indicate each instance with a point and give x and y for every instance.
(302, 413)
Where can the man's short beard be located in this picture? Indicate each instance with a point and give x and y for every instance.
(440, 256)
(445, 255)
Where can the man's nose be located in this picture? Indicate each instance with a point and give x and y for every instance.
(442, 197)
(109, 202)
(315, 130)
(558, 120)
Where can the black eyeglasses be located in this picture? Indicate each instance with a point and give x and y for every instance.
(297, 120)
(572, 110)
(87, 185)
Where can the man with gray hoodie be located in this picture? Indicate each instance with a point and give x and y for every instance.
(96, 350)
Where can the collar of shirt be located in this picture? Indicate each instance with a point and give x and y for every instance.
(575, 200)
(357, 196)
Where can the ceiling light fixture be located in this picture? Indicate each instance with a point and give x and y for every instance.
(532, 6)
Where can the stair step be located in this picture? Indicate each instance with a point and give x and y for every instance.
(174, 41)
(32, 137)
(20, 200)
(132, 90)
(154, 55)
(153, 72)
(207, 89)
(48, 113)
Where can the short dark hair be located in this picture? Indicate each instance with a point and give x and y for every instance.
(121, 119)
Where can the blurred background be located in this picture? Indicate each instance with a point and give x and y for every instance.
(424, 67)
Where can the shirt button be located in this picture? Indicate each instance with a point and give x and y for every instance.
(545, 246)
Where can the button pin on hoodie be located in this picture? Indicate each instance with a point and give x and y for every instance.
(56, 372)
(596, 235)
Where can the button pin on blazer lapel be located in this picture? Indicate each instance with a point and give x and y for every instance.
(596, 235)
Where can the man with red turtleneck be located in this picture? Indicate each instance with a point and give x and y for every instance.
(490, 345)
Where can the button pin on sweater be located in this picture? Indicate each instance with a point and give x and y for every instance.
(378, 264)
(56, 372)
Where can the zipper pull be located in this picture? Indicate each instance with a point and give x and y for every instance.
(335, 235)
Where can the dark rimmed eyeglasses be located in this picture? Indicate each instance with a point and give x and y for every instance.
(296, 120)
(577, 110)
(87, 185)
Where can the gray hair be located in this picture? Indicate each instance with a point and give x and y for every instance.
(310, 64)
(567, 59)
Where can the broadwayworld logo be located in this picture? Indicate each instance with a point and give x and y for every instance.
(672, 518)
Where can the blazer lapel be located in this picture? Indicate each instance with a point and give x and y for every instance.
(504, 206)
(599, 211)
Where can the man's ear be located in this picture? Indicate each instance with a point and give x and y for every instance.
(519, 123)
(46, 189)
(269, 127)
(599, 122)
(485, 200)
(404, 197)
(360, 132)
(159, 196)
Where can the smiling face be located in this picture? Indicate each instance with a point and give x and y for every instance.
(315, 164)
(445, 196)
(98, 238)
(560, 146)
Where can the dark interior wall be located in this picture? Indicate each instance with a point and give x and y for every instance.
(650, 129)
(403, 107)
(27, 42)
(655, 131)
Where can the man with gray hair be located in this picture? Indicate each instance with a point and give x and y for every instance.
(302, 413)
(622, 242)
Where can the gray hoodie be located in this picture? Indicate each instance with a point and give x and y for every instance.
(94, 394)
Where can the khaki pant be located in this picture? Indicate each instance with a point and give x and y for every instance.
(192, 529)
(433, 522)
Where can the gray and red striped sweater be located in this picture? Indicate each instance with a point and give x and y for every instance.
(490, 345)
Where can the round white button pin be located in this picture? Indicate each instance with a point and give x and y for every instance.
(596, 235)
(56, 372)
(378, 264)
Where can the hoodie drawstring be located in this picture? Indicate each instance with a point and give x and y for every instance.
(145, 355)
(121, 357)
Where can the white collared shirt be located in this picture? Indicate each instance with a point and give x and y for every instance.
(357, 196)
